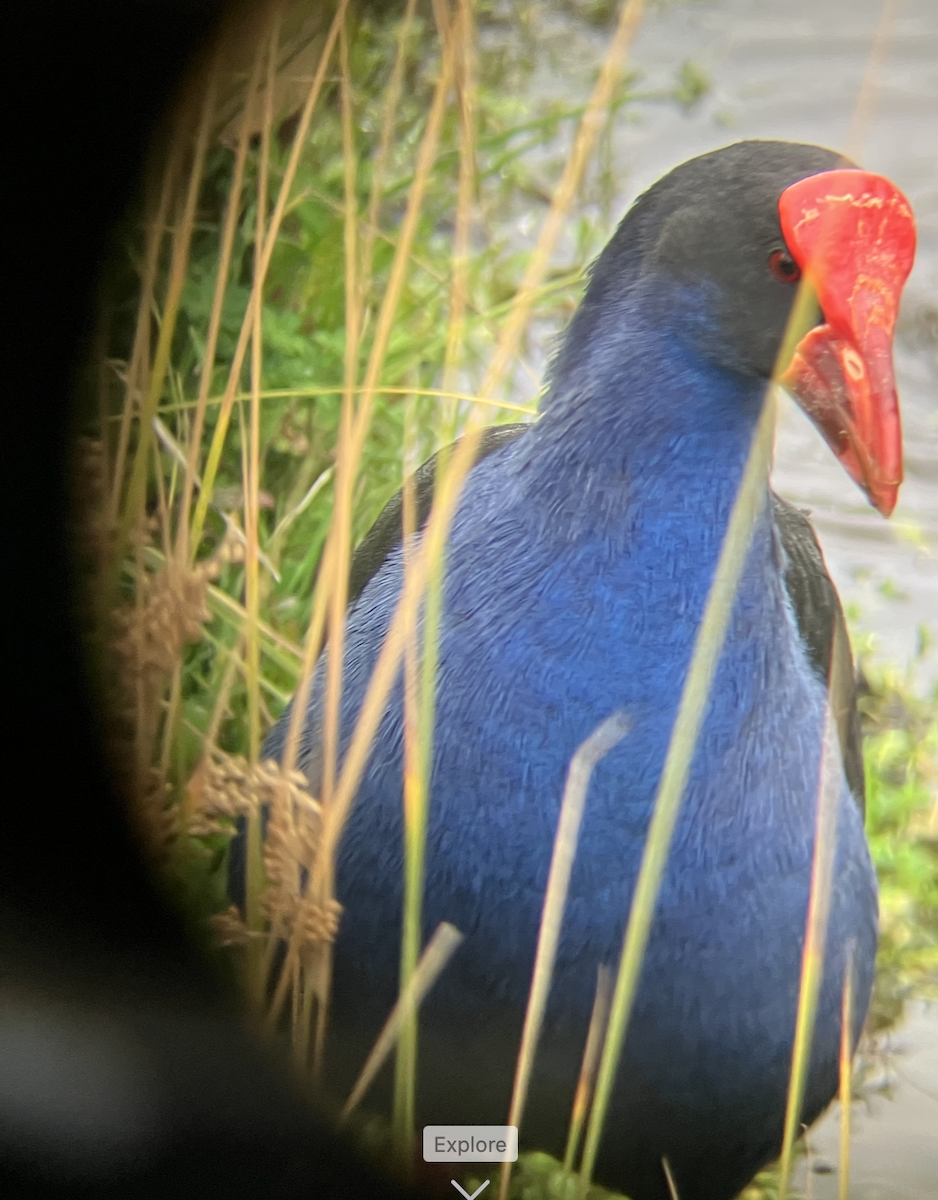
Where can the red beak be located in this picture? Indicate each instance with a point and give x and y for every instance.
(853, 236)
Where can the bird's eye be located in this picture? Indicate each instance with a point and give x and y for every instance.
(784, 267)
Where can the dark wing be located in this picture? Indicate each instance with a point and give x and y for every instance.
(386, 532)
(824, 632)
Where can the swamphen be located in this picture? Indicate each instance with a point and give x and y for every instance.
(578, 566)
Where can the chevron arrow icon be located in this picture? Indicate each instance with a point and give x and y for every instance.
(463, 1192)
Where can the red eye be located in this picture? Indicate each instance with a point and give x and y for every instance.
(784, 267)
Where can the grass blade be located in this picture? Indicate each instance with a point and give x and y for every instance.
(237, 362)
(439, 951)
(229, 228)
(137, 367)
(584, 761)
(812, 964)
(182, 239)
(594, 1039)
(590, 125)
(379, 166)
(846, 1078)
(254, 856)
(321, 878)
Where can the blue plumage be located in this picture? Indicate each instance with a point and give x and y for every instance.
(578, 567)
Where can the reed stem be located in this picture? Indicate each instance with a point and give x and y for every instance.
(439, 951)
(588, 754)
(846, 1078)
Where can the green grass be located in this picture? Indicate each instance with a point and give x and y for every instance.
(201, 679)
(901, 752)
(231, 382)
(519, 147)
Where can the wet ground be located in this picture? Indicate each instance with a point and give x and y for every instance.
(894, 1147)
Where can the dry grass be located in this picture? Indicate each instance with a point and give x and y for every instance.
(584, 762)
(154, 492)
(155, 477)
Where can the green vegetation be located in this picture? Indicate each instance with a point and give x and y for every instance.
(203, 692)
(901, 752)
(337, 268)
(232, 389)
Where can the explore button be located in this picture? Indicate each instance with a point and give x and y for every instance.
(470, 1143)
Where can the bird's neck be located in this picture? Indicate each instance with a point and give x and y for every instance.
(637, 431)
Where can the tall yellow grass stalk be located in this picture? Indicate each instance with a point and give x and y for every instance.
(415, 806)
(420, 661)
(273, 229)
(182, 236)
(591, 123)
(254, 870)
(705, 656)
(812, 968)
(321, 885)
(846, 1078)
(379, 166)
(139, 363)
(229, 226)
(831, 777)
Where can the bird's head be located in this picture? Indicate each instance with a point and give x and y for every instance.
(719, 247)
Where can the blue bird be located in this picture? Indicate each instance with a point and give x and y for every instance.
(578, 567)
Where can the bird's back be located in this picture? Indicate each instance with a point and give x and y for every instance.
(543, 637)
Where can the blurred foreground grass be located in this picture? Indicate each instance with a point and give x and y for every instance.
(212, 610)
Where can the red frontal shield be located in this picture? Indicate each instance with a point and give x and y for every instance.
(852, 234)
